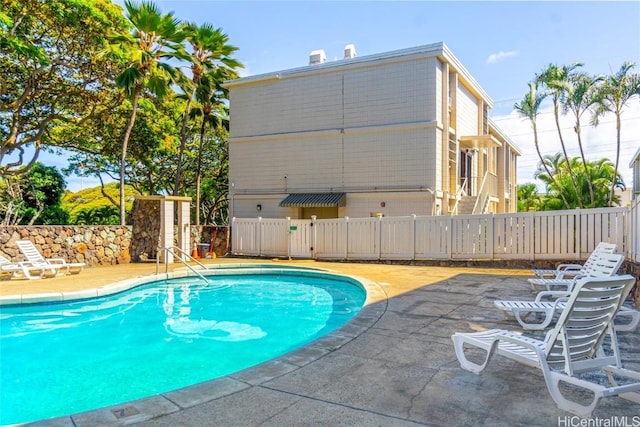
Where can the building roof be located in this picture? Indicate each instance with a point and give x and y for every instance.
(418, 52)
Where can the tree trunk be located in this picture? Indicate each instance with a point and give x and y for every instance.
(566, 156)
(183, 144)
(123, 157)
(615, 170)
(199, 169)
(544, 165)
(584, 162)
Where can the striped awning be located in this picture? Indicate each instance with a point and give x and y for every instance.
(313, 200)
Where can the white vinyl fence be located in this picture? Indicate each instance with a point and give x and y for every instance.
(556, 235)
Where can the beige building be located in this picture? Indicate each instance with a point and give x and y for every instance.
(398, 133)
(635, 165)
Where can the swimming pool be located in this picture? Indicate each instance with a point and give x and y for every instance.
(64, 358)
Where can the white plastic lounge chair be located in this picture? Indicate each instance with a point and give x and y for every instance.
(521, 310)
(602, 265)
(572, 347)
(52, 265)
(566, 271)
(10, 269)
(7, 268)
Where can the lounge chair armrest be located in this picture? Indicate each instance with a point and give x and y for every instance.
(26, 264)
(56, 261)
(569, 275)
(552, 294)
(569, 267)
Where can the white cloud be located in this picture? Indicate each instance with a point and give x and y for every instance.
(598, 142)
(496, 57)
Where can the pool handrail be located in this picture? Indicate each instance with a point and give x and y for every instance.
(171, 250)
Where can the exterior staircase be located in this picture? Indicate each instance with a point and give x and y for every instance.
(466, 204)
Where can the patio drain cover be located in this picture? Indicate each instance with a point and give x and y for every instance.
(125, 412)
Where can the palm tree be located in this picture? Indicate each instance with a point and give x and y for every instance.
(555, 78)
(209, 96)
(528, 198)
(601, 173)
(154, 37)
(209, 50)
(528, 108)
(579, 97)
(613, 95)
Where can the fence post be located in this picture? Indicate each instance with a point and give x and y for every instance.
(312, 237)
(413, 237)
(490, 232)
(532, 235)
(259, 235)
(379, 239)
(346, 237)
(579, 236)
(450, 238)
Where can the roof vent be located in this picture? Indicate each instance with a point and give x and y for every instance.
(317, 57)
(349, 51)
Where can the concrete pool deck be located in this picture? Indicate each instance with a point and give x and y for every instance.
(393, 365)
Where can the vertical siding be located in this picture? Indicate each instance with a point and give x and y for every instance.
(350, 151)
(287, 105)
(467, 113)
(396, 204)
(308, 163)
(389, 93)
(384, 159)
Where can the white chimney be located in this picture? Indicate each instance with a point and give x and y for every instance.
(349, 51)
(317, 57)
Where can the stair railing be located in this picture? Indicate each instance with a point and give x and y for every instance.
(174, 250)
(461, 189)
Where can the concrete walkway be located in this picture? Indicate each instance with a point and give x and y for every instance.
(393, 365)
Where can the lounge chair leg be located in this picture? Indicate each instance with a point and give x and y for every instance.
(553, 385)
(533, 326)
(458, 344)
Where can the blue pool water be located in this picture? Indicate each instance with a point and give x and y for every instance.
(60, 359)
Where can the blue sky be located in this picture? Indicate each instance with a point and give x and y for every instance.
(502, 44)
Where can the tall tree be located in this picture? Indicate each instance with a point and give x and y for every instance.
(52, 72)
(529, 108)
(213, 112)
(580, 90)
(35, 197)
(613, 95)
(555, 78)
(210, 50)
(155, 37)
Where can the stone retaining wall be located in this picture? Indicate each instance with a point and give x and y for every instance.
(96, 244)
(93, 245)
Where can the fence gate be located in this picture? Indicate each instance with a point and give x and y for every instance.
(301, 238)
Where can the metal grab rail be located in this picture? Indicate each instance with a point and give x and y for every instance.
(170, 250)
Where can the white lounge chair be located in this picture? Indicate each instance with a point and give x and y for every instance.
(51, 265)
(573, 346)
(567, 271)
(10, 269)
(521, 310)
(602, 265)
